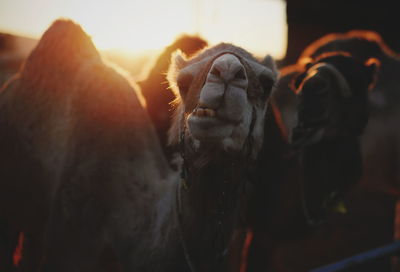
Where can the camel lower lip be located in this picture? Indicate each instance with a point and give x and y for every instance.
(205, 121)
(209, 128)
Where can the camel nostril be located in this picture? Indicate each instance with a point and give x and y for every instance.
(240, 74)
(215, 72)
(209, 112)
(202, 105)
(201, 112)
(204, 112)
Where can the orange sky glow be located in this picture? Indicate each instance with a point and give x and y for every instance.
(133, 26)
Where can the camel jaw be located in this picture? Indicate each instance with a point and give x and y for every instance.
(209, 129)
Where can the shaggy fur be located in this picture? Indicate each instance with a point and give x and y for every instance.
(155, 88)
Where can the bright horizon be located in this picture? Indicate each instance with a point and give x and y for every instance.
(256, 25)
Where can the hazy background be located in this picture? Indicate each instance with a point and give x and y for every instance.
(134, 26)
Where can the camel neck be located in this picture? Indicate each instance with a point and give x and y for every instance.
(210, 208)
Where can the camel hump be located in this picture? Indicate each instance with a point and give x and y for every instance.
(63, 47)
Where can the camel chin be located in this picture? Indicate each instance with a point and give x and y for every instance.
(209, 129)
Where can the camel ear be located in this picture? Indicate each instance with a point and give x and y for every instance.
(178, 59)
(372, 67)
(269, 62)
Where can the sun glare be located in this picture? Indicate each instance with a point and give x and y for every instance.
(146, 26)
(257, 25)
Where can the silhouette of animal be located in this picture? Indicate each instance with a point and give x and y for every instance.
(368, 221)
(308, 177)
(74, 136)
(380, 165)
(30, 163)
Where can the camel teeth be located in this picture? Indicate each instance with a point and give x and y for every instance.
(210, 112)
(201, 113)
(204, 112)
(196, 112)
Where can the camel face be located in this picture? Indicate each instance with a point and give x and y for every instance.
(333, 93)
(322, 82)
(224, 97)
(222, 104)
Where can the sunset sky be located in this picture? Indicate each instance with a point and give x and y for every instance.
(257, 25)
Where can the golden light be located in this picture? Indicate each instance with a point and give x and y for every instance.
(129, 25)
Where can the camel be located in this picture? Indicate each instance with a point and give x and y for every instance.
(368, 222)
(221, 105)
(74, 136)
(30, 166)
(307, 177)
(381, 167)
(156, 91)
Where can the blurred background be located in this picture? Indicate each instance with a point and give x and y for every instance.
(132, 32)
(127, 30)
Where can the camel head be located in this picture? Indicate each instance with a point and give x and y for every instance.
(332, 114)
(333, 92)
(221, 100)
